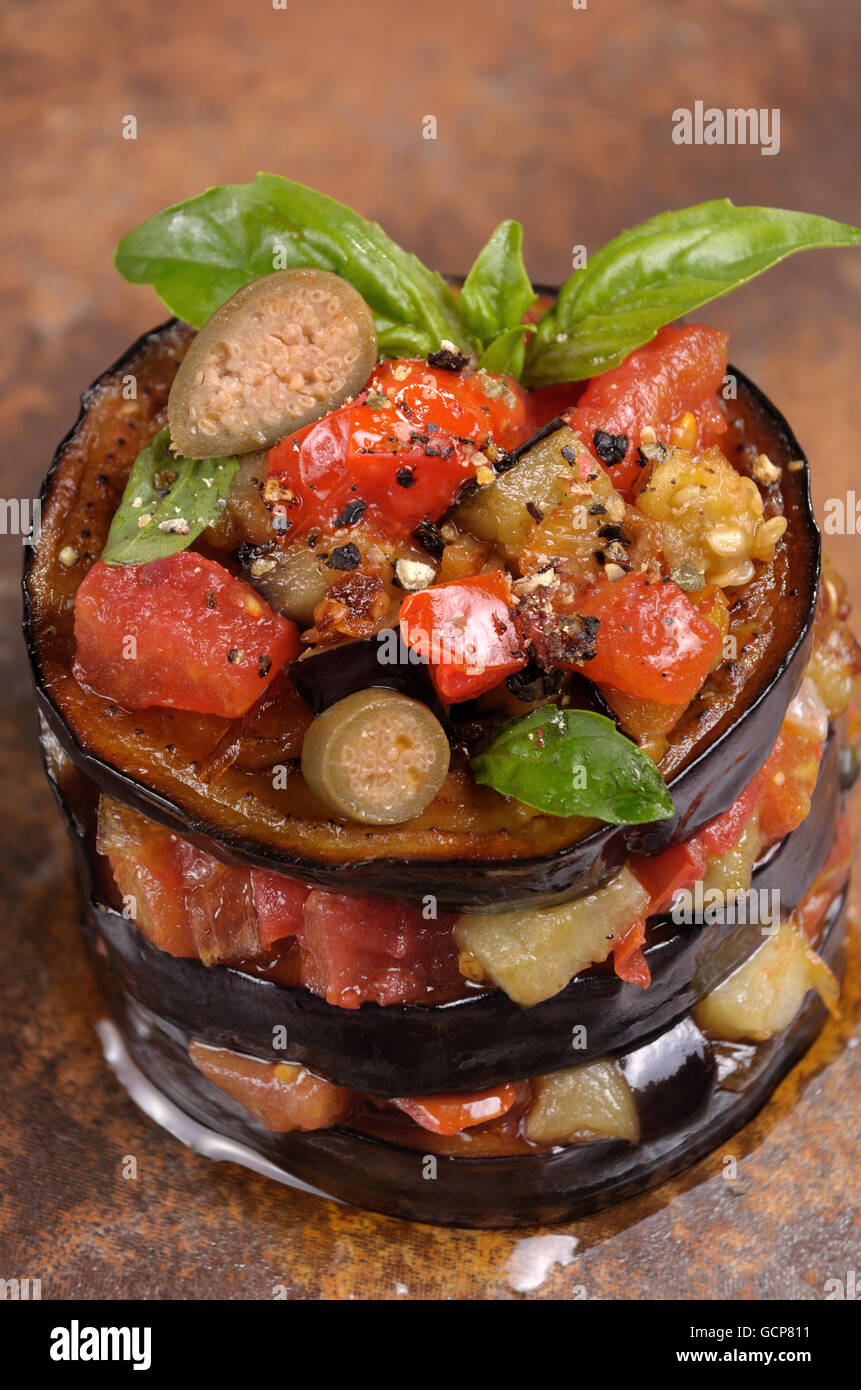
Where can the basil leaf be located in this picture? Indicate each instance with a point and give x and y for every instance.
(400, 340)
(174, 498)
(659, 270)
(196, 254)
(573, 763)
(506, 354)
(496, 293)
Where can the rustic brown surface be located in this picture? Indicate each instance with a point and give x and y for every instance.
(561, 118)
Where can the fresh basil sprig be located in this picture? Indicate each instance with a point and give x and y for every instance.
(659, 270)
(196, 254)
(167, 503)
(573, 763)
(496, 294)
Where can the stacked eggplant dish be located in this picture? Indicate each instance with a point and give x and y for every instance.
(449, 706)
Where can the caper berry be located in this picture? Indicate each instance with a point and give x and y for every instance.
(284, 350)
(376, 756)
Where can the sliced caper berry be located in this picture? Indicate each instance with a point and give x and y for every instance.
(376, 756)
(282, 351)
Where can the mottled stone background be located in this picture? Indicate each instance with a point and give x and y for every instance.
(562, 118)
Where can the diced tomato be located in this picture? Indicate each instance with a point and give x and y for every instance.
(185, 901)
(363, 455)
(219, 907)
(679, 372)
(828, 882)
(351, 949)
(283, 1096)
(145, 862)
(726, 830)
(629, 962)
(404, 457)
(651, 640)
(780, 792)
(449, 1114)
(663, 875)
(356, 949)
(466, 631)
(280, 903)
(181, 632)
(786, 783)
(544, 404)
(466, 405)
(404, 486)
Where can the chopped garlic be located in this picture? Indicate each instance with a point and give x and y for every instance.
(413, 575)
(765, 471)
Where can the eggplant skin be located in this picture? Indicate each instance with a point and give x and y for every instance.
(328, 676)
(683, 1115)
(471, 1043)
(462, 871)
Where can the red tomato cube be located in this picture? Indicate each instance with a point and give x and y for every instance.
(466, 631)
(181, 632)
(651, 640)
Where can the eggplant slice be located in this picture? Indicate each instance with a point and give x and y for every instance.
(684, 1113)
(470, 1043)
(146, 758)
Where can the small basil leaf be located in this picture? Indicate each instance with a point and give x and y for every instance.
(657, 271)
(167, 503)
(196, 254)
(400, 340)
(506, 354)
(573, 763)
(496, 293)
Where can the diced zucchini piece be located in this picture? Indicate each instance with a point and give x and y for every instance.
(762, 997)
(532, 955)
(593, 1101)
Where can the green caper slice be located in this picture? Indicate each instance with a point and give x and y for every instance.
(282, 351)
(376, 756)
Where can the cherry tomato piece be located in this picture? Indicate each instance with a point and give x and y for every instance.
(466, 632)
(450, 1114)
(679, 372)
(400, 455)
(467, 405)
